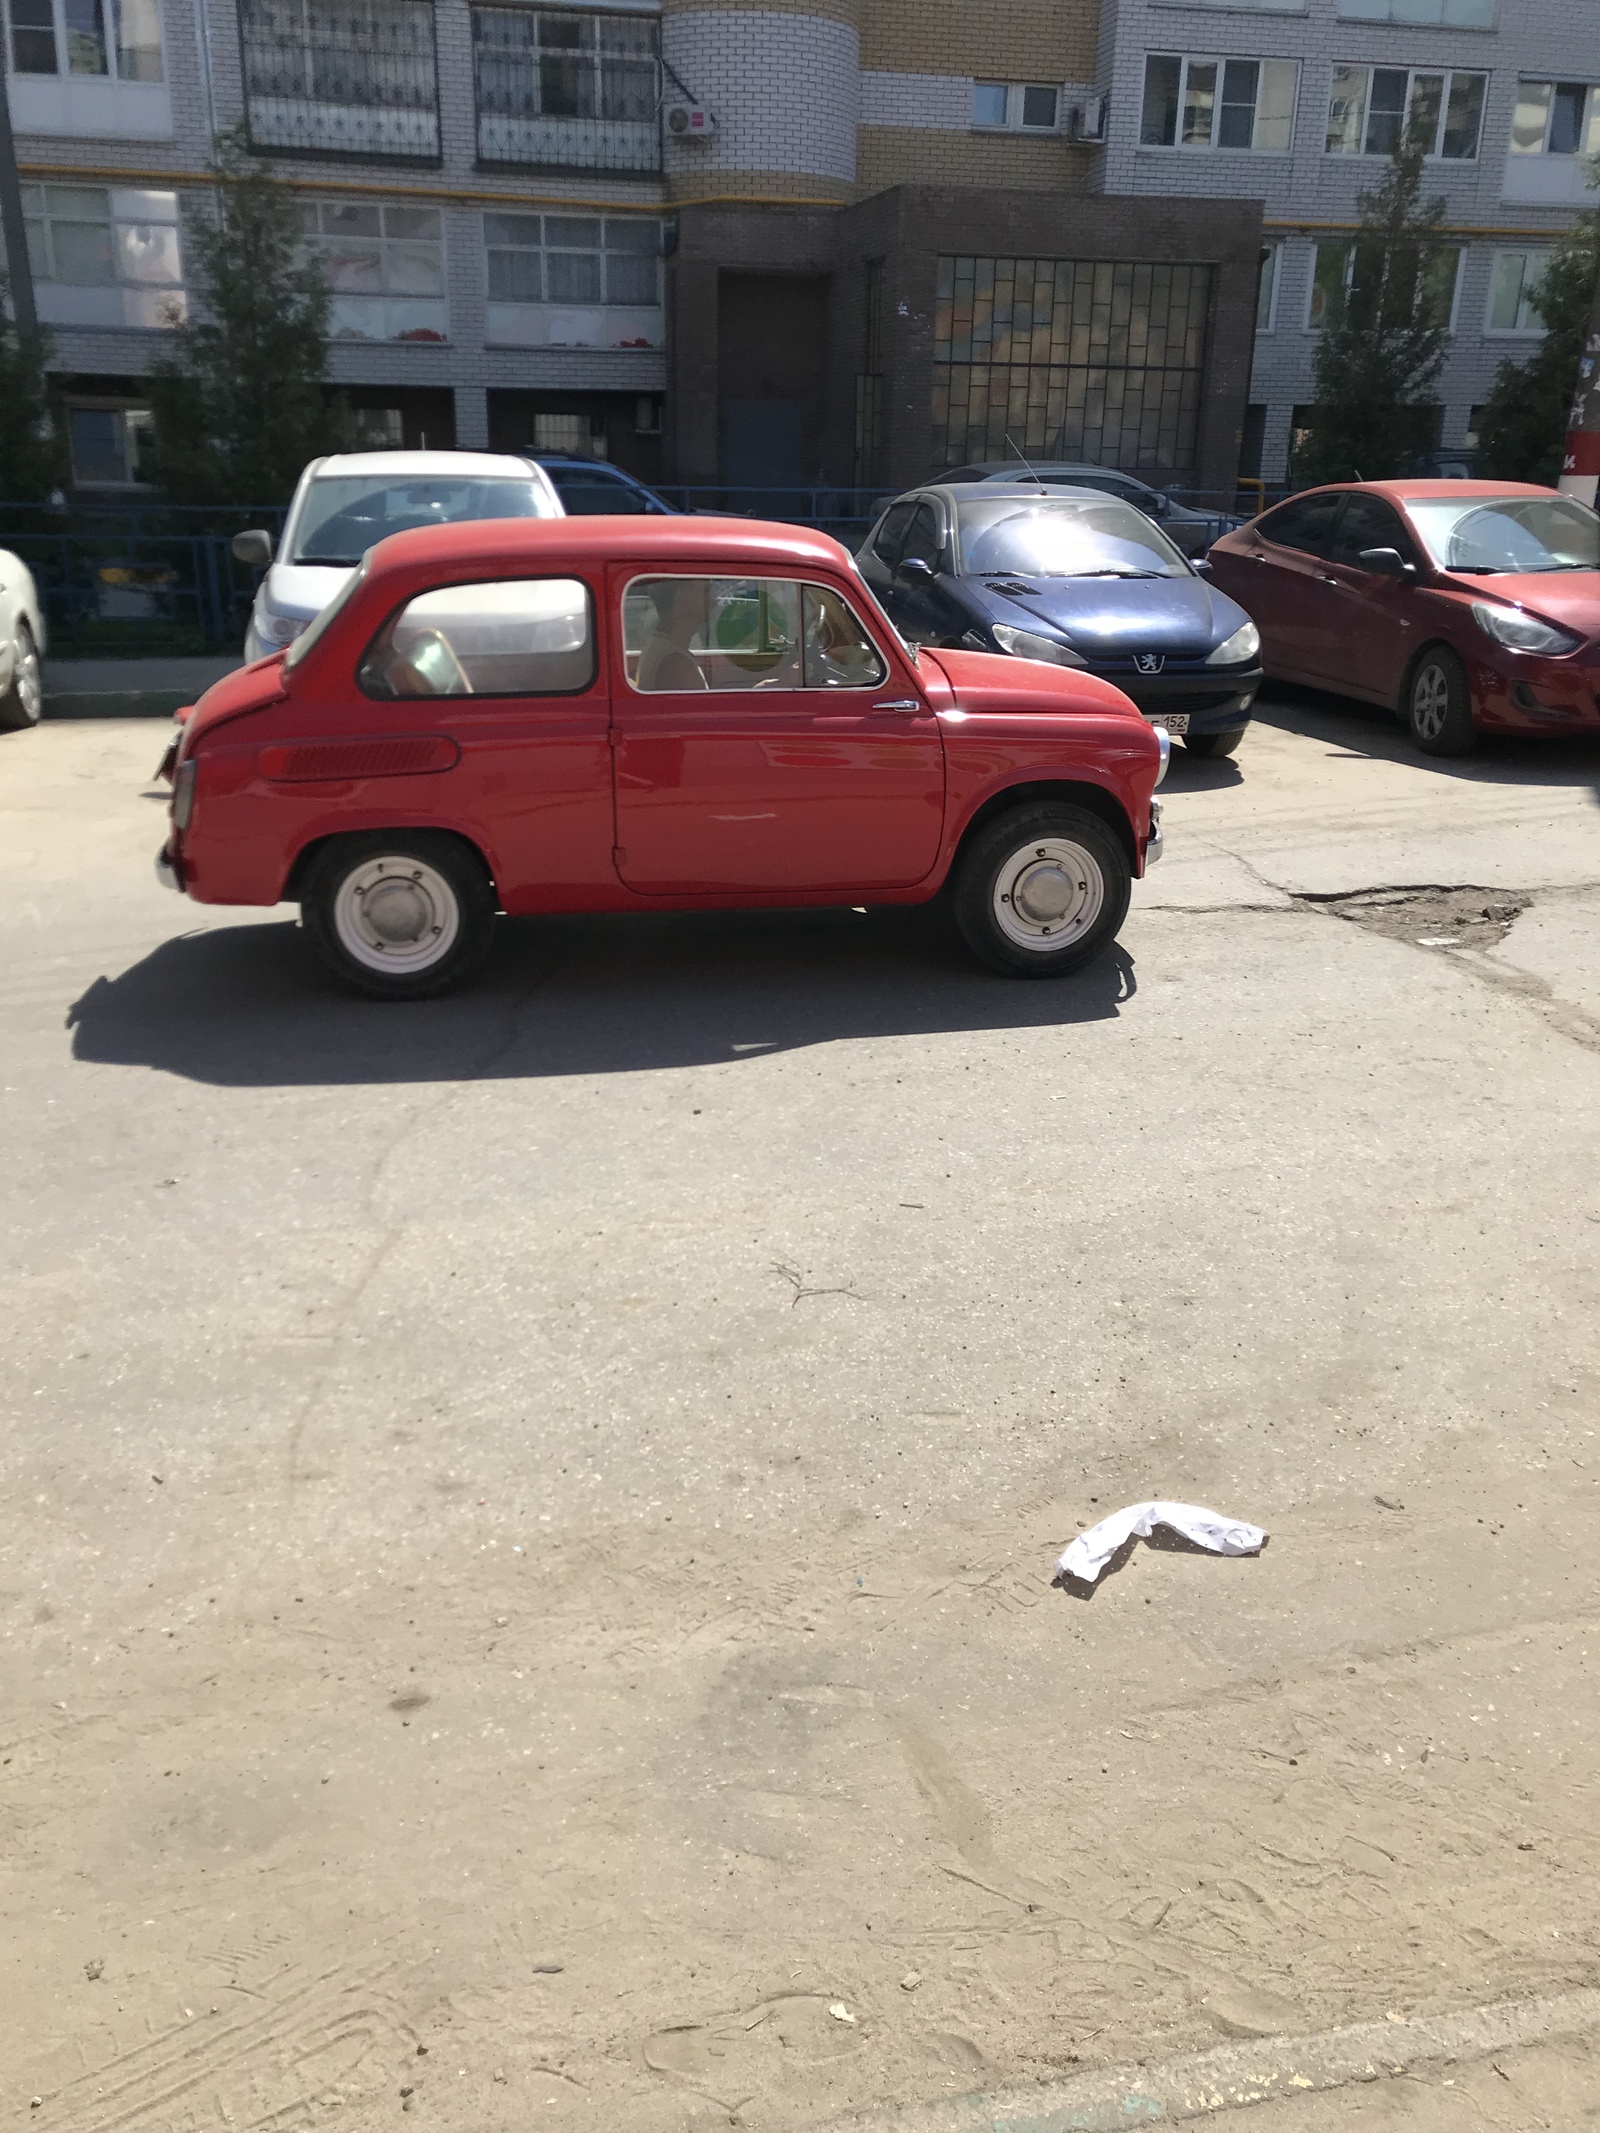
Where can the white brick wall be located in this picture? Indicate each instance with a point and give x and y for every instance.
(1555, 38)
(783, 89)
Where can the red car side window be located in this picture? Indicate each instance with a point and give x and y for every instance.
(508, 637)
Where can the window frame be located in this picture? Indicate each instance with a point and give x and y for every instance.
(485, 696)
(1270, 274)
(1389, 20)
(703, 576)
(1513, 333)
(40, 221)
(1350, 246)
(1588, 116)
(592, 65)
(111, 44)
(1448, 76)
(1016, 94)
(320, 243)
(1220, 61)
(601, 252)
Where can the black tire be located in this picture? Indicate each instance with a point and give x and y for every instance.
(23, 703)
(1438, 704)
(1076, 862)
(1215, 743)
(420, 896)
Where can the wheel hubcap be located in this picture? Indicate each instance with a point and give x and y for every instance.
(27, 679)
(1430, 702)
(1048, 894)
(396, 914)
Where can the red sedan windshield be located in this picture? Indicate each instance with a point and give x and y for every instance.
(1486, 534)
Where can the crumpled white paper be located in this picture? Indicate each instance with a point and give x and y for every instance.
(1089, 1554)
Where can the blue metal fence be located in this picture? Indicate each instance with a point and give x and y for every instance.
(127, 576)
(122, 574)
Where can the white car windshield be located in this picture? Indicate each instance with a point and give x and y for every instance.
(1061, 537)
(342, 515)
(1487, 534)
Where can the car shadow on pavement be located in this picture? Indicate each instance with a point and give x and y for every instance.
(1366, 729)
(250, 1006)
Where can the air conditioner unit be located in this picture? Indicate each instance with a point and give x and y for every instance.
(1086, 119)
(690, 122)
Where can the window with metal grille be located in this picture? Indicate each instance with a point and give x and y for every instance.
(567, 91)
(1094, 360)
(341, 77)
(869, 379)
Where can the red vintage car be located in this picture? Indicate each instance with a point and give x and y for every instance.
(623, 714)
(1465, 607)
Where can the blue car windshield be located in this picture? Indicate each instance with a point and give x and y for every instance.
(343, 515)
(1061, 537)
(1487, 534)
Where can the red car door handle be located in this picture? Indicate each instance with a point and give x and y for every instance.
(900, 703)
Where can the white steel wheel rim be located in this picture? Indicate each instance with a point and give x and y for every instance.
(1048, 894)
(396, 914)
(1430, 701)
(26, 680)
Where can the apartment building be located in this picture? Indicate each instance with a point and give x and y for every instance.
(1297, 106)
(809, 241)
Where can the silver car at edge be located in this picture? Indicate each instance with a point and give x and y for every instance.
(22, 642)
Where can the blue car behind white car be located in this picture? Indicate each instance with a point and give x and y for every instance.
(1076, 578)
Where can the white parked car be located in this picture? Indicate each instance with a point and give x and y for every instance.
(21, 645)
(343, 504)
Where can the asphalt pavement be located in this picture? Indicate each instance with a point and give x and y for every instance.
(531, 1516)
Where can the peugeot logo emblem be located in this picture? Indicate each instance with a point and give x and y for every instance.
(1149, 662)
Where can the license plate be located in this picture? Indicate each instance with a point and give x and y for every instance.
(1174, 721)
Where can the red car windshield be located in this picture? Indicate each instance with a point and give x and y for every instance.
(1488, 534)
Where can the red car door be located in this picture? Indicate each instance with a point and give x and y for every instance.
(1373, 630)
(1280, 581)
(764, 739)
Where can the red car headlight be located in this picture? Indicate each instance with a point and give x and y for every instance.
(1519, 631)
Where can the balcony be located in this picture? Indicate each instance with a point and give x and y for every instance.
(567, 91)
(341, 77)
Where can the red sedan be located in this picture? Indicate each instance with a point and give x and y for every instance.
(624, 714)
(1465, 607)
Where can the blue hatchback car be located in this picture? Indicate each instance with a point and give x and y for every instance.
(1076, 578)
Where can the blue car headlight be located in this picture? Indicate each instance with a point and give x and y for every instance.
(1243, 645)
(1024, 644)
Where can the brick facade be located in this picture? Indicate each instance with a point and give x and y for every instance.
(1307, 193)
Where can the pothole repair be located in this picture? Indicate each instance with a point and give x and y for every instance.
(1430, 916)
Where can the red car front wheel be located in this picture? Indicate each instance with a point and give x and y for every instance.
(1439, 704)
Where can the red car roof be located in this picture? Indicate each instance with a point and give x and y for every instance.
(593, 539)
(1417, 491)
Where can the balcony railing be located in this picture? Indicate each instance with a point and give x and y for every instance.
(341, 77)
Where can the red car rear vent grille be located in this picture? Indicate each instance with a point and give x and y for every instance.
(382, 756)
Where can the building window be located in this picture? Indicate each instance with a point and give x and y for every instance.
(385, 267)
(1089, 360)
(1218, 103)
(112, 446)
(1371, 108)
(1267, 288)
(1368, 276)
(1514, 282)
(575, 281)
(345, 77)
(118, 40)
(567, 90)
(1556, 118)
(1015, 107)
(1432, 14)
(1475, 415)
(104, 256)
